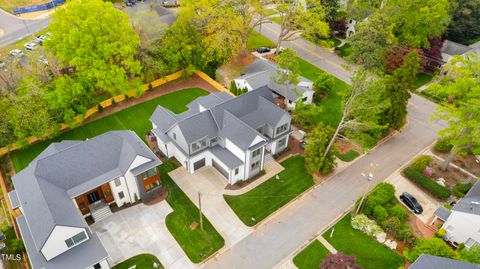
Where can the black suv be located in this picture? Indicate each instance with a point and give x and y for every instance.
(263, 50)
(411, 202)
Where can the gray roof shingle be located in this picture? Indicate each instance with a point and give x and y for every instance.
(442, 213)
(426, 261)
(471, 202)
(226, 157)
(46, 187)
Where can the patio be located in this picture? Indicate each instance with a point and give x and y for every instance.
(141, 229)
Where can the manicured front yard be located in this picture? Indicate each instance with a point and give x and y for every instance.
(135, 118)
(142, 261)
(259, 203)
(197, 244)
(331, 106)
(370, 254)
(311, 256)
(422, 79)
(256, 40)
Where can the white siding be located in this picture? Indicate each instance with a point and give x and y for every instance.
(103, 264)
(131, 181)
(55, 244)
(461, 226)
(234, 149)
(240, 176)
(121, 188)
(242, 83)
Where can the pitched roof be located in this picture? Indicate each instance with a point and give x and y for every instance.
(442, 213)
(46, 187)
(263, 73)
(85, 255)
(226, 116)
(471, 202)
(426, 261)
(226, 157)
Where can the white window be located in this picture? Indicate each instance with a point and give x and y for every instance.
(470, 242)
(255, 165)
(117, 182)
(450, 228)
(213, 140)
(256, 152)
(236, 171)
(174, 136)
(196, 146)
(121, 195)
(76, 239)
(282, 142)
(282, 128)
(304, 99)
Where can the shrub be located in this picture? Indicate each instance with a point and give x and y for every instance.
(380, 195)
(460, 189)
(366, 225)
(470, 255)
(427, 183)
(432, 246)
(441, 233)
(406, 234)
(398, 211)
(421, 162)
(380, 213)
(443, 145)
(392, 225)
(323, 83)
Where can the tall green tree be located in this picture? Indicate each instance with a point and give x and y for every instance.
(460, 89)
(362, 109)
(288, 74)
(371, 42)
(28, 115)
(465, 25)
(317, 142)
(415, 21)
(298, 18)
(397, 90)
(98, 40)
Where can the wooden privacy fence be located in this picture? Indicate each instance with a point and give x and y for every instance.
(104, 104)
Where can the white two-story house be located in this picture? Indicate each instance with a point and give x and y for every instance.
(236, 135)
(73, 180)
(264, 74)
(463, 223)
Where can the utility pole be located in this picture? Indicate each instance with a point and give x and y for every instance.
(369, 177)
(200, 210)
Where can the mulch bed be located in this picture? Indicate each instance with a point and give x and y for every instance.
(161, 196)
(452, 176)
(343, 146)
(468, 162)
(243, 183)
(293, 148)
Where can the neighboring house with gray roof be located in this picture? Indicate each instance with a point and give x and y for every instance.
(264, 74)
(427, 261)
(73, 180)
(463, 223)
(451, 49)
(236, 135)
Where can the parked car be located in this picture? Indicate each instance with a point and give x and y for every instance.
(30, 46)
(39, 39)
(263, 50)
(303, 143)
(411, 203)
(16, 52)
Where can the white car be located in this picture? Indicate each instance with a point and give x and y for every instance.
(39, 39)
(30, 46)
(16, 52)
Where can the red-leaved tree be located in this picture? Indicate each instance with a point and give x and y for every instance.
(339, 261)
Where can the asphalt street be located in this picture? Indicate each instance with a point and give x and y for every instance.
(15, 28)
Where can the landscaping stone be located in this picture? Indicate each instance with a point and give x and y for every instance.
(390, 244)
(381, 237)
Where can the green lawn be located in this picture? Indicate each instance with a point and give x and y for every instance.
(347, 157)
(135, 118)
(422, 79)
(331, 107)
(259, 203)
(197, 244)
(256, 40)
(370, 254)
(142, 261)
(311, 256)
(345, 50)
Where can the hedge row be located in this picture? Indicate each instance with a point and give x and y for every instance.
(427, 183)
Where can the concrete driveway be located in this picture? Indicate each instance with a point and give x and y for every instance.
(428, 203)
(141, 229)
(211, 184)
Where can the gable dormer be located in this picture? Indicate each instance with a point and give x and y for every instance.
(62, 239)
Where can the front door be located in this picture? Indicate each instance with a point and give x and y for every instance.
(93, 197)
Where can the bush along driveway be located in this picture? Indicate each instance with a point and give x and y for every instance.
(142, 261)
(257, 204)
